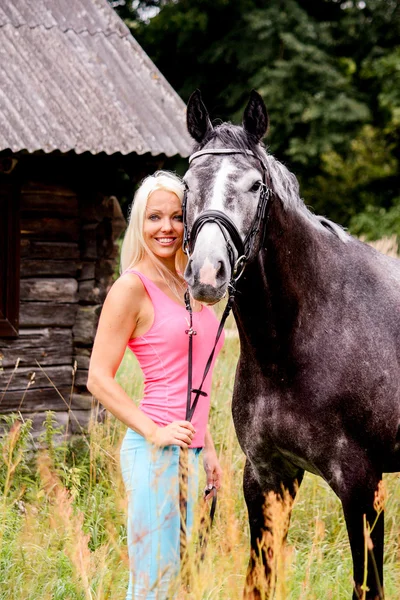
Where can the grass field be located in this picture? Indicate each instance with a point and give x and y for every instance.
(62, 514)
(62, 517)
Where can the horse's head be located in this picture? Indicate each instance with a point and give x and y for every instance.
(225, 187)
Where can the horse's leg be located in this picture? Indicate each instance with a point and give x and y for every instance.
(269, 509)
(358, 500)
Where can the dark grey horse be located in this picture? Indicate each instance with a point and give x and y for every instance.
(318, 381)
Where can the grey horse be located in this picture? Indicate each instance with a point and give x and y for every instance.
(317, 385)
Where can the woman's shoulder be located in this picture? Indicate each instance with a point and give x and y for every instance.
(125, 290)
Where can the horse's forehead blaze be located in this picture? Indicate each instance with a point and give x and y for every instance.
(223, 177)
(213, 182)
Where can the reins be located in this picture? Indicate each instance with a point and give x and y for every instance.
(244, 251)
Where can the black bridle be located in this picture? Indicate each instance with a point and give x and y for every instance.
(244, 249)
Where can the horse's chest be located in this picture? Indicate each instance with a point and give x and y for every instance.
(272, 427)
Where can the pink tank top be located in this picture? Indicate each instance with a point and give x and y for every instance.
(162, 353)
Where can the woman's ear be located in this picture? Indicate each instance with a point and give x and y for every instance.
(197, 119)
(255, 116)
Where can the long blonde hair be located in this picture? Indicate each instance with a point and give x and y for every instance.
(134, 247)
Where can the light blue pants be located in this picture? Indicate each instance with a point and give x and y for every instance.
(151, 477)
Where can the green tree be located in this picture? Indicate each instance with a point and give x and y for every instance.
(328, 70)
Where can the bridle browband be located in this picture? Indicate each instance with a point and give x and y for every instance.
(244, 249)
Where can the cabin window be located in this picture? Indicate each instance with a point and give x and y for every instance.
(9, 257)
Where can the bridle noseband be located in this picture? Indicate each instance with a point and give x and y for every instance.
(244, 249)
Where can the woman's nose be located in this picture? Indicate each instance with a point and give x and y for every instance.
(166, 225)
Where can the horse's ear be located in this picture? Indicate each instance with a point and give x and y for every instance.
(255, 117)
(197, 119)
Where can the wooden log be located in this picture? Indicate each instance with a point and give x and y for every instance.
(46, 356)
(85, 325)
(112, 251)
(39, 314)
(53, 268)
(105, 242)
(44, 198)
(61, 290)
(93, 208)
(49, 250)
(87, 271)
(34, 378)
(105, 271)
(81, 361)
(44, 399)
(32, 338)
(47, 345)
(89, 241)
(50, 228)
(84, 352)
(81, 378)
(90, 293)
(79, 420)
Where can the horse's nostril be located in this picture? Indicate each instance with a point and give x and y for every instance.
(221, 270)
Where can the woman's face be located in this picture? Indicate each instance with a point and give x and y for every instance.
(163, 226)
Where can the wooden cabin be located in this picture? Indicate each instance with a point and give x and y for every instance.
(81, 102)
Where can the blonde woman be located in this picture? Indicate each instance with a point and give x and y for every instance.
(145, 311)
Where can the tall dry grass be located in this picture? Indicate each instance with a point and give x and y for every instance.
(63, 515)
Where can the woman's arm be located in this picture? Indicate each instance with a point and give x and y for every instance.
(119, 317)
(211, 463)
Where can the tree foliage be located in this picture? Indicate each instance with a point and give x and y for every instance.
(329, 72)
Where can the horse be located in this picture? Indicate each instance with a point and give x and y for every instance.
(317, 385)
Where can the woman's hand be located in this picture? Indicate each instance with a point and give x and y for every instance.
(177, 433)
(212, 468)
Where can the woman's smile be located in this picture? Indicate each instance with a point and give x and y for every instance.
(163, 226)
(166, 241)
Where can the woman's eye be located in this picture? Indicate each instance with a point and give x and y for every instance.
(153, 217)
(179, 218)
(256, 186)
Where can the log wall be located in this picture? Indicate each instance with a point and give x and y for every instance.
(68, 254)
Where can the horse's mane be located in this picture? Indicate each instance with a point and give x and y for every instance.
(284, 183)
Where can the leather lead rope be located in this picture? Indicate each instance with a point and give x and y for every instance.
(244, 250)
(190, 408)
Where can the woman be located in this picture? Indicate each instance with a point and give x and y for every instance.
(145, 311)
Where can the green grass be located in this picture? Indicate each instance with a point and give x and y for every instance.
(62, 519)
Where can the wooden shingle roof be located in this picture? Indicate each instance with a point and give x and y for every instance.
(72, 77)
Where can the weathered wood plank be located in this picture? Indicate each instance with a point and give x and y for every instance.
(87, 271)
(82, 362)
(46, 356)
(44, 399)
(85, 326)
(32, 338)
(89, 241)
(49, 199)
(60, 290)
(81, 377)
(49, 250)
(105, 270)
(44, 187)
(19, 379)
(50, 228)
(91, 293)
(54, 268)
(39, 314)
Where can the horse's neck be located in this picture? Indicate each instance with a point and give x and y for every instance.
(283, 282)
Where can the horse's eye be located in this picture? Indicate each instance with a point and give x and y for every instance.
(255, 187)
